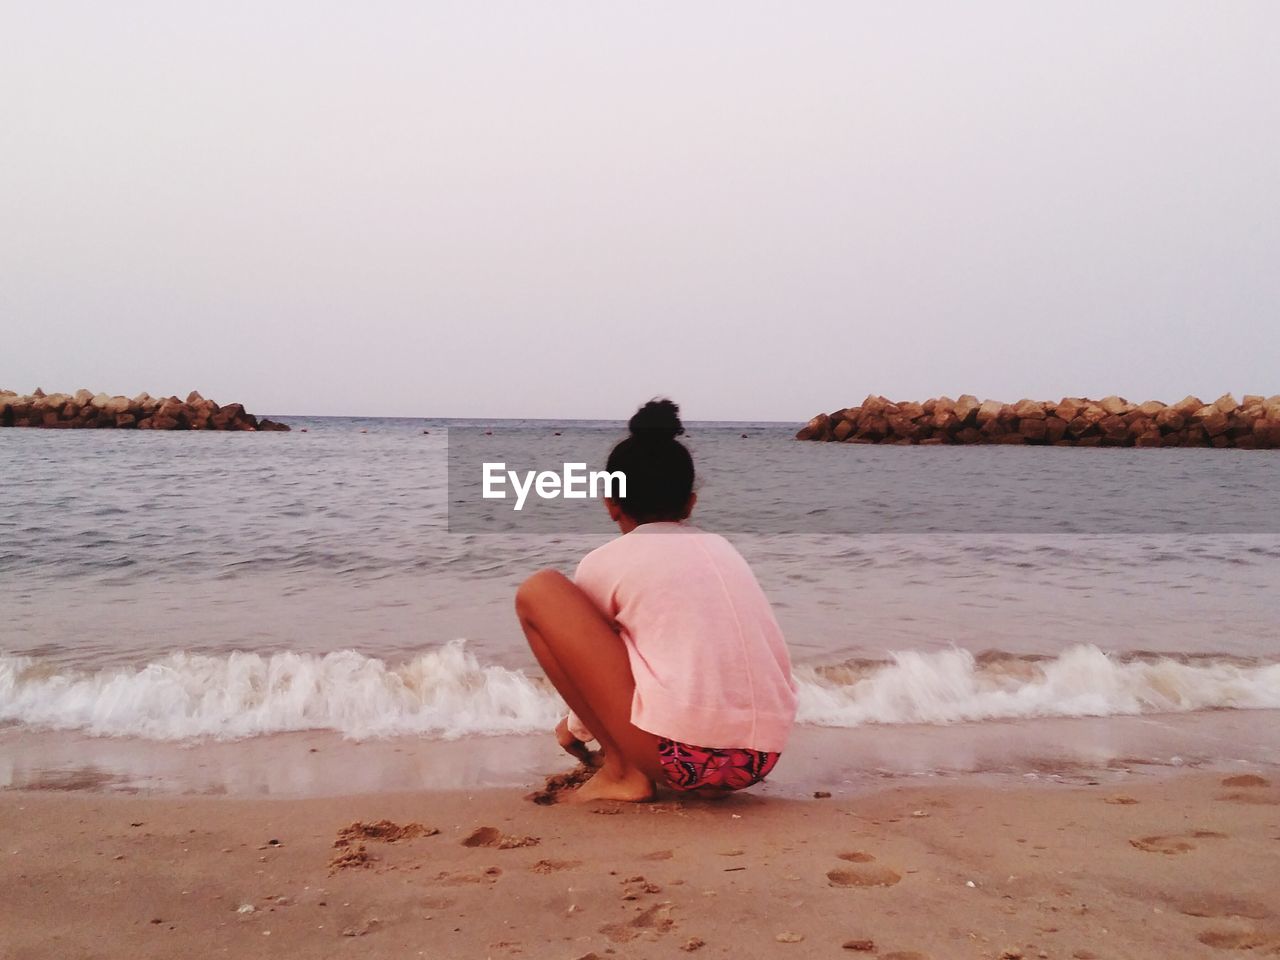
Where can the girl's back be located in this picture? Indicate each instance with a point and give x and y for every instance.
(709, 660)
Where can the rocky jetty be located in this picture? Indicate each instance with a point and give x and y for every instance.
(1253, 424)
(86, 410)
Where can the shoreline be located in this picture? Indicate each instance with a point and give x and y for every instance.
(1139, 868)
(840, 760)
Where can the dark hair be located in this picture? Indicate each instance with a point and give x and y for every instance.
(657, 466)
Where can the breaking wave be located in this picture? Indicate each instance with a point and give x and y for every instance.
(448, 693)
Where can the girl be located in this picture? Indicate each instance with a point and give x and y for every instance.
(663, 645)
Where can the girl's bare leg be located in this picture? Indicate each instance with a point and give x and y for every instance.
(587, 663)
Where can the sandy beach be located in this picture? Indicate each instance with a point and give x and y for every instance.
(1179, 865)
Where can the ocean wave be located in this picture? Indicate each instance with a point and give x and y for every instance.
(953, 685)
(444, 693)
(448, 693)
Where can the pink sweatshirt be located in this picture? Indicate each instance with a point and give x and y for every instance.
(710, 664)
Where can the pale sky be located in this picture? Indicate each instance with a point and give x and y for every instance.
(562, 209)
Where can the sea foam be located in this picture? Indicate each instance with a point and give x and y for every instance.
(448, 693)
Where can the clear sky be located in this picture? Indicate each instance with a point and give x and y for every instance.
(422, 208)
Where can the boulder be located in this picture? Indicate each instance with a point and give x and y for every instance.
(115, 406)
(194, 397)
(275, 426)
(873, 427)
(966, 409)
(1055, 429)
(945, 421)
(903, 427)
(1136, 416)
(1028, 410)
(1032, 429)
(840, 432)
(1138, 424)
(1239, 424)
(1188, 405)
(100, 401)
(874, 404)
(815, 429)
(1115, 406)
(1215, 423)
(1266, 434)
(1226, 403)
(994, 428)
(1114, 428)
(1170, 420)
(1082, 426)
(988, 411)
(1069, 408)
(83, 396)
(1150, 408)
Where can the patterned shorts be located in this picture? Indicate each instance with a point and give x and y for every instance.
(692, 768)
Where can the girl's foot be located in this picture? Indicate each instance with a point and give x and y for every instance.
(631, 786)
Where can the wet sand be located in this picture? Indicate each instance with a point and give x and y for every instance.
(312, 764)
(1181, 864)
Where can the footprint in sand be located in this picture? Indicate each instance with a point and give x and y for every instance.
(864, 873)
(551, 866)
(1241, 940)
(1180, 843)
(1246, 780)
(493, 837)
(489, 875)
(1258, 799)
(1250, 782)
(856, 856)
(654, 920)
(1216, 905)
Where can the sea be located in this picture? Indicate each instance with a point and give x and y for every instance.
(342, 581)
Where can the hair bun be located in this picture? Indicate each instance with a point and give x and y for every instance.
(656, 420)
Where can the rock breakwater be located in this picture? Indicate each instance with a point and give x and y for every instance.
(1253, 424)
(87, 410)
